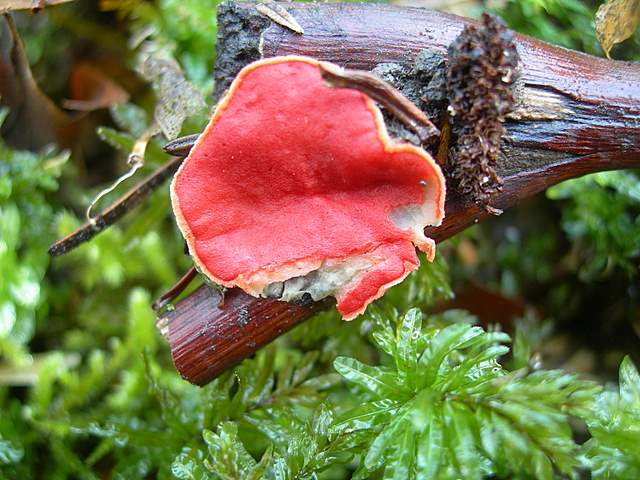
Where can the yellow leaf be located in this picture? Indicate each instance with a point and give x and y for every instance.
(616, 20)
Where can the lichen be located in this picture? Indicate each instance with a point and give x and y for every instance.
(482, 69)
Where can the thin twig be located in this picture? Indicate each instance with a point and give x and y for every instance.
(134, 165)
(180, 147)
(135, 161)
(176, 290)
(116, 210)
(383, 93)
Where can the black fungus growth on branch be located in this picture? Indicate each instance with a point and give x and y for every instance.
(482, 70)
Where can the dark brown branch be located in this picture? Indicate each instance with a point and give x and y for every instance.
(574, 114)
(180, 147)
(117, 210)
(387, 96)
(170, 295)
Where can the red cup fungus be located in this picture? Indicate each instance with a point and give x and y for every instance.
(295, 187)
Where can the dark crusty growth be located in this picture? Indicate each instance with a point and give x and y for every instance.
(239, 30)
(424, 82)
(482, 69)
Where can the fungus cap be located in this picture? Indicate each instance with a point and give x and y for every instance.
(296, 187)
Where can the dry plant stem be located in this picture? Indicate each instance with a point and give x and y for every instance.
(574, 114)
(135, 162)
(176, 290)
(383, 93)
(116, 211)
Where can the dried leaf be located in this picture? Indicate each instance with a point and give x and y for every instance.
(177, 97)
(616, 20)
(91, 89)
(34, 121)
(8, 5)
(278, 14)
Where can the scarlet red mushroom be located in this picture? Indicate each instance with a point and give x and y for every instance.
(296, 187)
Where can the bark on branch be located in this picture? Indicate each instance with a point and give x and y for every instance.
(575, 114)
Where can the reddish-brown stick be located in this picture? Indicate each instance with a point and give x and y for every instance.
(183, 282)
(576, 114)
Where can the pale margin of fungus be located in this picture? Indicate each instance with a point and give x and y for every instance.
(334, 277)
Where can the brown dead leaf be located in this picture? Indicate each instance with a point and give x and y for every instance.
(34, 120)
(35, 5)
(278, 14)
(468, 253)
(91, 89)
(616, 20)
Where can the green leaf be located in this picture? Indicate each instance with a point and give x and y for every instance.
(386, 440)
(464, 440)
(409, 330)
(366, 416)
(229, 457)
(260, 470)
(442, 344)
(430, 446)
(122, 141)
(9, 453)
(321, 421)
(614, 424)
(382, 335)
(601, 217)
(467, 415)
(380, 381)
(188, 467)
(401, 465)
(629, 382)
